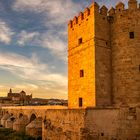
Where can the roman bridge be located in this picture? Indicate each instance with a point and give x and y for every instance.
(26, 119)
(62, 123)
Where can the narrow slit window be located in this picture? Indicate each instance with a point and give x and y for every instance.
(80, 102)
(139, 68)
(80, 41)
(131, 34)
(81, 73)
(102, 134)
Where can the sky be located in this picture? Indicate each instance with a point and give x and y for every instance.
(33, 45)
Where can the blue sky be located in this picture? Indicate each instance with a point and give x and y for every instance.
(33, 44)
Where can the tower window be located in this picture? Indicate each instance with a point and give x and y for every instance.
(80, 102)
(131, 34)
(139, 68)
(80, 41)
(81, 73)
(102, 134)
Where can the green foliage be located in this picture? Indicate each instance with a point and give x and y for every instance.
(8, 134)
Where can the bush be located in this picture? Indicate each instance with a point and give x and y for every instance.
(8, 134)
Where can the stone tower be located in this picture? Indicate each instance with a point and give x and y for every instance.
(125, 44)
(104, 56)
(10, 91)
(89, 59)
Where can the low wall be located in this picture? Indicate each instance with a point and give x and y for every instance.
(92, 124)
(63, 124)
(122, 123)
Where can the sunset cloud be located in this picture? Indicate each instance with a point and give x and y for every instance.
(32, 70)
(33, 44)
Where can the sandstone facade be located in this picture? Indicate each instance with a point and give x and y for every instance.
(108, 123)
(93, 124)
(105, 45)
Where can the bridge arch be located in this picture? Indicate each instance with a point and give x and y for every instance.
(6, 112)
(34, 128)
(32, 117)
(20, 115)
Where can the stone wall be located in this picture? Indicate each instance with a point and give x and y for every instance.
(103, 73)
(113, 123)
(126, 54)
(92, 124)
(108, 56)
(79, 124)
(81, 57)
(63, 124)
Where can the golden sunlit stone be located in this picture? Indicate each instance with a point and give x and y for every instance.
(105, 47)
(104, 81)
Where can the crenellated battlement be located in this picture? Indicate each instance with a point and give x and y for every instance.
(86, 12)
(103, 10)
(80, 17)
(120, 6)
(111, 12)
(104, 56)
(94, 8)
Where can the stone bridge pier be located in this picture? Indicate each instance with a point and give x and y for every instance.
(28, 119)
(4, 118)
(20, 123)
(34, 128)
(23, 119)
(9, 122)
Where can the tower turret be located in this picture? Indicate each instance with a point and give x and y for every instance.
(103, 10)
(120, 6)
(104, 56)
(10, 91)
(89, 59)
(111, 11)
(132, 4)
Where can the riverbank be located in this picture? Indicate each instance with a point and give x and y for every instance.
(8, 134)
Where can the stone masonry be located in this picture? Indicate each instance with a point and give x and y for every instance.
(103, 85)
(104, 45)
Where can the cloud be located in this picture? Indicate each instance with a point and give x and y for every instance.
(21, 65)
(23, 86)
(30, 69)
(55, 44)
(25, 37)
(15, 60)
(5, 33)
(53, 9)
(53, 12)
(49, 40)
(55, 15)
(28, 5)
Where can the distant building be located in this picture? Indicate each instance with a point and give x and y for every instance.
(17, 98)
